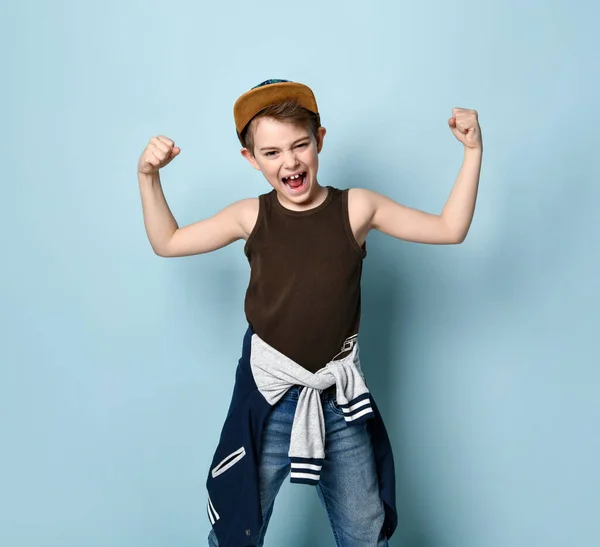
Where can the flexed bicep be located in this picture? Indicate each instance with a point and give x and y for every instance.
(225, 227)
(409, 224)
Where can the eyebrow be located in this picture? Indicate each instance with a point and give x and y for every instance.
(275, 148)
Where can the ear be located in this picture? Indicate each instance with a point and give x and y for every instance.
(320, 136)
(250, 157)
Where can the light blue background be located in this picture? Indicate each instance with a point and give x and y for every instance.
(117, 365)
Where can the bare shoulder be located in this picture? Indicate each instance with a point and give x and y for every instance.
(246, 213)
(361, 198)
(361, 208)
(369, 203)
(362, 203)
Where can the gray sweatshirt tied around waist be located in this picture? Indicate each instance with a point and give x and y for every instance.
(274, 374)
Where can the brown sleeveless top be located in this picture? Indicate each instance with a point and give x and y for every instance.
(303, 298)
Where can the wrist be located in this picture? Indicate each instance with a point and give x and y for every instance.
(475, 151)
(148, 178)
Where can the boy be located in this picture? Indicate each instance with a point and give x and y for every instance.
(300, 404)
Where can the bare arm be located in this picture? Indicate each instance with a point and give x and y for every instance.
(166, 238)
(402, 222)
(460, 207)
(452, 225)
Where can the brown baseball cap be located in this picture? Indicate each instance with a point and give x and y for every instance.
(268, 93)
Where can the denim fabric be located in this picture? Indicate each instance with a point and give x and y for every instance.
(348, 488)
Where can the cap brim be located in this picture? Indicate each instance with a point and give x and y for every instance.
(255, 100)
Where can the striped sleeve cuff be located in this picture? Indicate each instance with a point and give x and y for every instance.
(358, 410)
(306, 470)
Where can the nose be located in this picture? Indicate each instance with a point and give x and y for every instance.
(290, 161)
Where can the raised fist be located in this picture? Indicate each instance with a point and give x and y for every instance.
(465, 126)
(160, 152)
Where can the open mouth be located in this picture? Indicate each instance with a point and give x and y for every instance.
(294, 182)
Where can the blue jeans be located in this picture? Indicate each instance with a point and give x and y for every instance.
(348, 488)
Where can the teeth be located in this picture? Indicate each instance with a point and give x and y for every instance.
(293, 177)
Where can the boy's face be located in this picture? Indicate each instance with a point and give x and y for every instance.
(283, 150)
